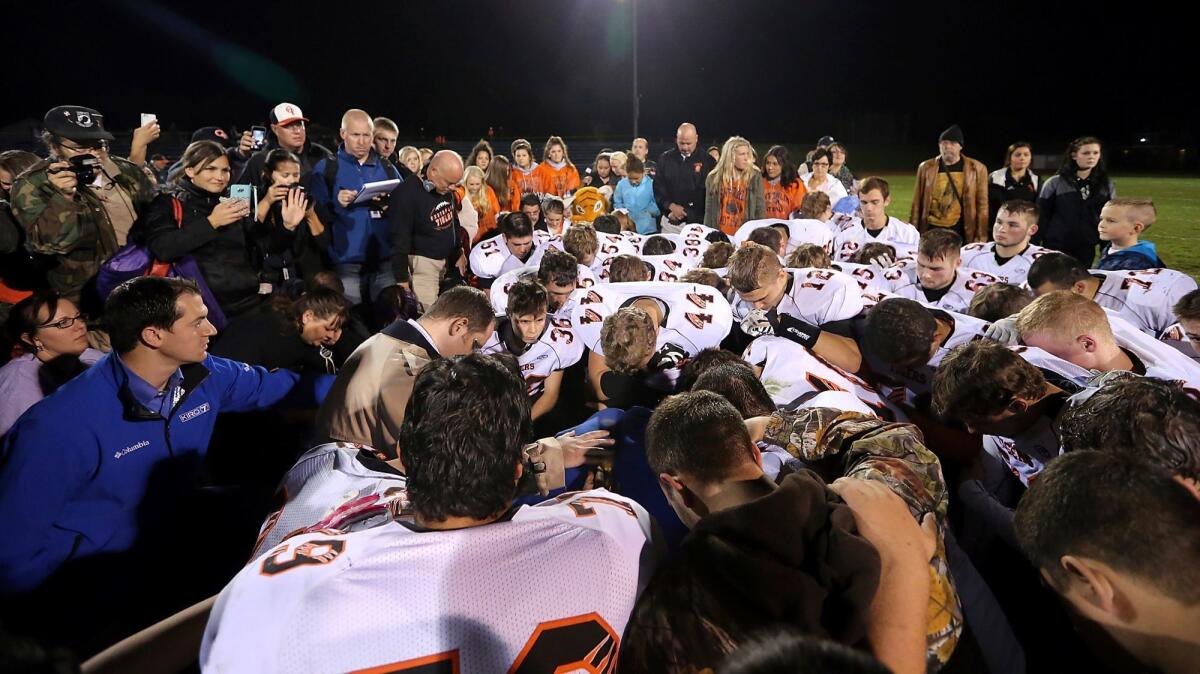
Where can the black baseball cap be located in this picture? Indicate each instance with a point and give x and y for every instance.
(825, 141)
(213, 133)
(77, 123)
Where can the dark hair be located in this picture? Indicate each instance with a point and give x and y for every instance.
(699, 364)
(558, 267)
(767, 236)
(327, 278)
(321, 301)
(872, 250)
(17, 162)
(658, 245)
(999, 300)
(393, 303)
(979, 379)
(531, 199)
(607, 224)
(810, 255)
(699, 434)
(1188, 307)
(551, 142)
(526, 297)
(606, 155)
(717, 255)
(1058, 269)
(940, 242)
(789, 652)
(1022, 207)
(634, 165)
(497, 176)
(1013, 148)
(23, 318)
(627, 268)
(1155, 419)
(900, 332)
(481, 146)
(461, 439)
(274, 159)
(463, 302)
(144, 302)
(515, 225)
(788, 174)
(738, 384)
(553, 205)
(1118, 509)
(198, 155)
(1068, 167)
(520, 144)
(876, 183)
(819, 153)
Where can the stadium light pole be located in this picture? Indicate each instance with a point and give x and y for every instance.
(636, 102)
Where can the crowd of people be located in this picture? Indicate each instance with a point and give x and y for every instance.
(277, 407)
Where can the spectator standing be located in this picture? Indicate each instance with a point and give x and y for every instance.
(640, 148)
(385, 133)
(679, 186)
(951, 191)
(424, 226)
(215, 231)
(783, 191)
(635, 193)
(839, 170)
(360, 243)
(1070, 202)
(158, 165)
(820, 180)
(19, 270)
(600, 173)
(556, 174)
(497, 177)
(238, 155)
(475, 189)
(1015, 181)
(53, 334)
(410, 158)
(78, 206)
(481, 155)
(524, 180)
(733, 189)
(289, 238)
(287, 123)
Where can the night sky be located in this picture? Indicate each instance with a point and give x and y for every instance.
(878, 72)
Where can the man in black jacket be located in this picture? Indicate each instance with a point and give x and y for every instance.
(287, 124)
(679, 184)
(424, 226)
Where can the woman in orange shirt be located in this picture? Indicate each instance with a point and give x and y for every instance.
(523, 171)
(783, 191)
(556, 174)
(733, 191)
(499, 178)
(482, 197)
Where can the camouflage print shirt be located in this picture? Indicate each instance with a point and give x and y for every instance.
(75, 231)
(835, 443)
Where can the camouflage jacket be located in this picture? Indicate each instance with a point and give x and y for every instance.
(836, 444)
(75, 231)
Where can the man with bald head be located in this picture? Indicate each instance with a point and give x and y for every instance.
(359, 243)
(424, 224)
(679, 184)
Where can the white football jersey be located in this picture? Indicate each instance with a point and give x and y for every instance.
(491, 258)
(695, 317)
(1144, 297)
(981, 256)
(966, 283)
(557, 349)
(871, 278)
(1158, 359)
(815, 296)
(337, 485)
(1176, 338)
(800, 231)
(793, 375)
(498, 294)
(552, 586)
(839, 222)
(895, 233)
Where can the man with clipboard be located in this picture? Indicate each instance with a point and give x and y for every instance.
(350, 196)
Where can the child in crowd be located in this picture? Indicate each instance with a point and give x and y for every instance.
(1122, 221)
(635, 193)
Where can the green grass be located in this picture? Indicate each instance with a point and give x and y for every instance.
(1177, 201)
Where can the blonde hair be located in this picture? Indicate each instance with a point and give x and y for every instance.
(628, 338)
(1066, 314)
(725, 171)
(618, 158)
(407, 150)
(1138, 210)
(627, 223)
(479, 199)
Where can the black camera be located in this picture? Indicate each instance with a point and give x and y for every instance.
(85, 166)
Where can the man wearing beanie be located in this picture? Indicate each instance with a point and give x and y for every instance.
(951, 191)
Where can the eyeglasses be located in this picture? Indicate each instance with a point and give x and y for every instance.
(64, 323)
(99, 145)
(820, 163)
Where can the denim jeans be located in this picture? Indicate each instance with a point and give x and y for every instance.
(372, 277)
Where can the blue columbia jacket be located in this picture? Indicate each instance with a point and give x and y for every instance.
(87, 467)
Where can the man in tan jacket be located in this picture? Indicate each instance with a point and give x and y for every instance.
(366, 403)
(951, 191)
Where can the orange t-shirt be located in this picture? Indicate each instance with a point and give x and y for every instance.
(733, 206)
(521, 183)
(557, 181)
(782, 201)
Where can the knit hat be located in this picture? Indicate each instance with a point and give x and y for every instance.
(953, 134)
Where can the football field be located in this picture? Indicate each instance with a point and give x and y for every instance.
(1176, 233)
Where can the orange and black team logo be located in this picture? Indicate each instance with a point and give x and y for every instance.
(699, 300)
(309, 553)
(699, 320)
(590, 316)
(582, 643)
(592, 297)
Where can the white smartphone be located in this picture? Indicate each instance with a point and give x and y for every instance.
(148, 117)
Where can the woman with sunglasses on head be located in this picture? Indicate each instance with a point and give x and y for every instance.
(53, 335)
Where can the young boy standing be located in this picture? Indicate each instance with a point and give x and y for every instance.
(1122, 221)
(635, 193)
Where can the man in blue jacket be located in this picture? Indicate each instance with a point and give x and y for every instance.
(360, 242)
(99, 471)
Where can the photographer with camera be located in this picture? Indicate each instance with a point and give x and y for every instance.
(78, 205)
(287, 232)
(287, 126)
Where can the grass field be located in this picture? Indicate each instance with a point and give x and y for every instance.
(1177, 232)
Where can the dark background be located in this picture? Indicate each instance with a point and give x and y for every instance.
(877, 74)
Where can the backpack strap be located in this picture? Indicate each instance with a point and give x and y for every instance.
(177, 210)
(158, 267)
(389, 169)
